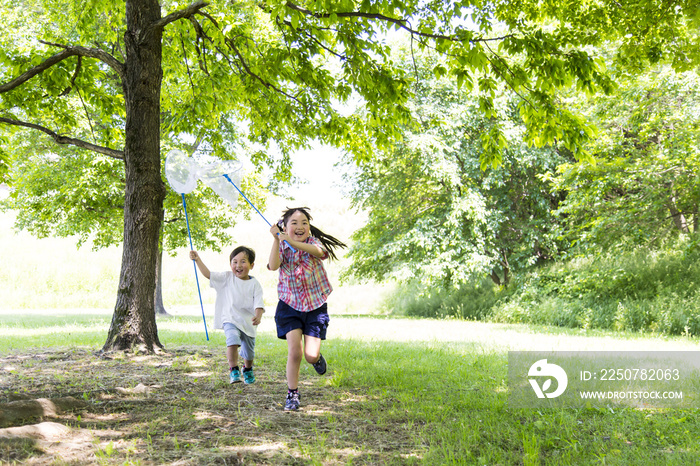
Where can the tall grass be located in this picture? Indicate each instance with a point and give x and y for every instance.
(640, 291)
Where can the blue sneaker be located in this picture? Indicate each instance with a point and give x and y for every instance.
(320, 365)
(248, 376)
(292, 401)
(235, 376)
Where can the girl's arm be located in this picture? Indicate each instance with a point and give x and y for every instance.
(307, 247)
(274, 262)
(200, 265)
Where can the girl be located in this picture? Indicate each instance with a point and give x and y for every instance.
(302, 313)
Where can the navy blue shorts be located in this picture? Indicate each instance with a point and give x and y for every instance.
(313, 323)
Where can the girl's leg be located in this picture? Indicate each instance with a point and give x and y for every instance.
(294, 354)
(232, 355)
(312, 349)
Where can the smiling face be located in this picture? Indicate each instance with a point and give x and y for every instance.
(297, 226)
(241, 265)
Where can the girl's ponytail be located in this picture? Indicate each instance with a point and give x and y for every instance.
(329, 242)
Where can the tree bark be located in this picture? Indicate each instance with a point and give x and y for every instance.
(158, 298)
(678, 217)
(133, 321)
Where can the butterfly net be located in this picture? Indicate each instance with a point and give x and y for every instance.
(183, 172)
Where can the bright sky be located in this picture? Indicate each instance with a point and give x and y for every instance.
(316, 166)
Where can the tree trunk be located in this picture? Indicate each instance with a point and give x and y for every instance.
(134, 322)
(678, 217)
(506, 267)
(158, 299)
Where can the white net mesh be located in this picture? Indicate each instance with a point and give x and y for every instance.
(212, 174)
(182, 173)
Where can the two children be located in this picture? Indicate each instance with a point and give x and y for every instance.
(298, 250)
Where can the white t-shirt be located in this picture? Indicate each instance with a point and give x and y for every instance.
(236, 301)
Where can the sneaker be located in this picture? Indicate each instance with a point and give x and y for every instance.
(248, 376)
(292, 401)
(320, 365)
(235, 376)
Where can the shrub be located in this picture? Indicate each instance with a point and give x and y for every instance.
(644, 290)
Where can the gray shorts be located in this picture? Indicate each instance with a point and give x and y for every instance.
(235, 337)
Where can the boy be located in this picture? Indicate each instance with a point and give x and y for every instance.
(238, 308)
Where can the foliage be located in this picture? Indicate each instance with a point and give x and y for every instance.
(647, 291)
(474, 301)
(435, 215)
(645, 184)
(279, 67)
(66, 192)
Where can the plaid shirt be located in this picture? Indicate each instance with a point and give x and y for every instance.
(303, 283)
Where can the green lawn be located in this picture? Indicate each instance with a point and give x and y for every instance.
(383, 401)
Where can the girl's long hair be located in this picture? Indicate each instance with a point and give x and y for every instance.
(329, 242)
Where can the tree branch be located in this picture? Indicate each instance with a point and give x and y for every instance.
(402, 23)
(115, 154)
(29, 74)
(180, 14)
(250, 72)
(99, 54)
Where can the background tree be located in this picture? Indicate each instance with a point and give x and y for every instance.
(644, 186)
(129, 73)
(434, 215)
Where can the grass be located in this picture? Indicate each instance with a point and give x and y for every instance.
(382, 402)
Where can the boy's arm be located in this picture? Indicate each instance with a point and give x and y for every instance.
(258, 316)
(200, 265)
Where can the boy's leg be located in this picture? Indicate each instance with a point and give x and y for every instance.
(232, 356)
(247, 350)
(294, 355)
(233, 341)
(248, 354)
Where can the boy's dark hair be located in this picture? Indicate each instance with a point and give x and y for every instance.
(329, 242)
(249, 252)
